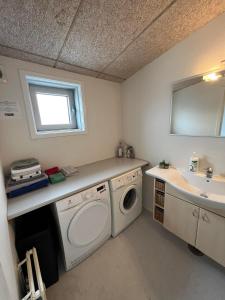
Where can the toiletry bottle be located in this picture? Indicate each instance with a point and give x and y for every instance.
(125, 147)
(128, 152)
(120, 150)
(194, 163)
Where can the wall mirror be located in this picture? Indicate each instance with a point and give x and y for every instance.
(198, 106)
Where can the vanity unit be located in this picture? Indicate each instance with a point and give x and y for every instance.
(179, 211)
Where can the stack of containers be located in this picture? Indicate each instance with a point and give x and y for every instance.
(54, 175)
(26, 176)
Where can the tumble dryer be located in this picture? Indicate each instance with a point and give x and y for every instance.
(84, 222)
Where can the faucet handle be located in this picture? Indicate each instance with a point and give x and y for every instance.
(191, 168)
(209, 172)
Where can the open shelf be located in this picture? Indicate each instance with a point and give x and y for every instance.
(158, 201)
(159, 214)
(159, 198)
(159, 206)
(160, 185)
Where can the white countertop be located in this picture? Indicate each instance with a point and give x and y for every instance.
(195, 192)
(89, 175)
(171, 176)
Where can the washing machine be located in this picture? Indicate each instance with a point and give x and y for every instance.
(84, 223)
(126, 199)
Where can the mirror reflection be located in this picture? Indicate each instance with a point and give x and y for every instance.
(198, 106)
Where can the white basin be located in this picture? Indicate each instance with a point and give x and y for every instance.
(208, 192)
(215, 185)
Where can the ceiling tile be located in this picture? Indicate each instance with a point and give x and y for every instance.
(76, 69)
(38, 27)
(174, 25)
(102, 29)
(10, 52)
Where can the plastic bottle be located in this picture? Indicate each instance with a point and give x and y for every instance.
(120, 150)
(194, 163)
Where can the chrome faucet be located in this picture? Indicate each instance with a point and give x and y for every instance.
(209, 172)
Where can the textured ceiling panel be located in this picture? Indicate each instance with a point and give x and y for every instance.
(174, 25)
(102, 29)
(36, 26)
(10, 52)
(109, 39)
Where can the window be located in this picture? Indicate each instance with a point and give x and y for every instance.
(54, 107)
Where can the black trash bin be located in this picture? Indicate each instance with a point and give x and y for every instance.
(36, 229)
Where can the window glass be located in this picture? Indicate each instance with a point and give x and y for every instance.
(53, 109)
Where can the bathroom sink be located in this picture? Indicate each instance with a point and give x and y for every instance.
(199, 189)
(215, 185)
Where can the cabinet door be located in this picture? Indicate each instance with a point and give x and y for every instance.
(181, 218)
(211, 236)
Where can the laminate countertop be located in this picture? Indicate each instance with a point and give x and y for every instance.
(88, 175)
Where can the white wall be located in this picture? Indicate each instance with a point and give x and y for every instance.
(8, 273)
(146, 103)
(103, 108)
(103, 114)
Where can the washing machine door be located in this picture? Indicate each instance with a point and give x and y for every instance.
(88, 223)
(129, 199)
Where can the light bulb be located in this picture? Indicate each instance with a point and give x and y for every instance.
(211, 77)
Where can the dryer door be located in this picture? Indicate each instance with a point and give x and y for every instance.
(88, 223)
(129, 199)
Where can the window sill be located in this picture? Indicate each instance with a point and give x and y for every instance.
(56, 133)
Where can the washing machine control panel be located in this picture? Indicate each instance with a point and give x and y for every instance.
(118, 182)
(133, 175)
(69, 202)
(97, 192)
(131, 178)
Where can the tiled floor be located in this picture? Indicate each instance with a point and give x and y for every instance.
(145, 262)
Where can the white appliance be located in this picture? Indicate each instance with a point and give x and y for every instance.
(84, 222)
(126, 199)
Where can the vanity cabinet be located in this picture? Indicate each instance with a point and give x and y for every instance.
(199, 227)
(181, 218)
(211, 235)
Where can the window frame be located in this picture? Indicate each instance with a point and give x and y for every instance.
(52, 82)
(34, 89)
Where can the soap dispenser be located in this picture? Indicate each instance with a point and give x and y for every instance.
(194, 163)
